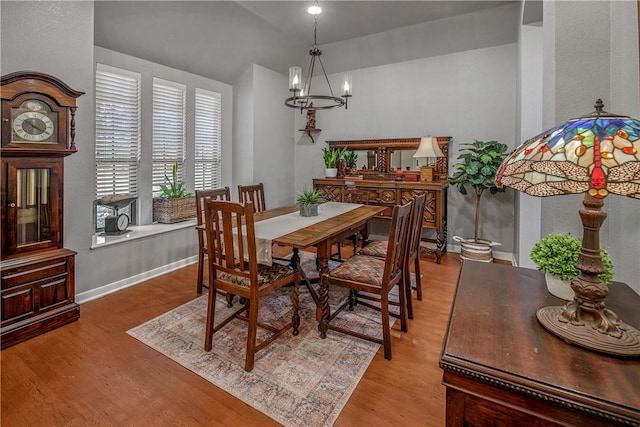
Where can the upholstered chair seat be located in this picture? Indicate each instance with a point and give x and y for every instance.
(266, 274)
(361, 268)
(377, 248)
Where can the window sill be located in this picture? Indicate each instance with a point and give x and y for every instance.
(100, 240)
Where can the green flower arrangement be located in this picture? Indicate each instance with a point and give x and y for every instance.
(557, 254)
(309, 196)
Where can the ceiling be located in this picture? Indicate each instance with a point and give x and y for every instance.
(220, 39)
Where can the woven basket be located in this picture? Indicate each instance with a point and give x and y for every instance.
(168, 211)
(481, 250)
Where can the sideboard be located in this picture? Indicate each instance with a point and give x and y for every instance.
(502, 368)
(388, 193)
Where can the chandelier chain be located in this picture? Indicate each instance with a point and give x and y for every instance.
(315, 32)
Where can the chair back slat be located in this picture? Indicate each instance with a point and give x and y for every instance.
(415, 229)
(201, 197)
(214, 194)
(252, 193)
(398, 232)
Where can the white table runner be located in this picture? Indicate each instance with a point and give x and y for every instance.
(271, 228)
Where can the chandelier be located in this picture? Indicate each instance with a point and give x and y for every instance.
(302, 97)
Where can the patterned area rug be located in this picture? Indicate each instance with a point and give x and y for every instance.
(297, 381)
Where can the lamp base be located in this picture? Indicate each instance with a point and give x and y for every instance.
(624, 341)
(586, 321)
(426, 173)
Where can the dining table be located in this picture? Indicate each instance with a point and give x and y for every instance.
(335, 222)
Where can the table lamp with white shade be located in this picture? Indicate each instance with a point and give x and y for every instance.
(430, 150)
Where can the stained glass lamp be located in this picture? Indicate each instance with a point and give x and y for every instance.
(597, 154)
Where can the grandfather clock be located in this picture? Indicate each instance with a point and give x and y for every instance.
(37, 292)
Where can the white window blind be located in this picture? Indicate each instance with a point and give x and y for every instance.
(117, 131)
(169, 118)
(208, 140)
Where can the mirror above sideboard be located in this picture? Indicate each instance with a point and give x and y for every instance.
(384, 156)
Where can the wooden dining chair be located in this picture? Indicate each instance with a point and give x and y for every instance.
(412, 255)
(201, 196)
(233, 268)
(377, 276)
(253, 193)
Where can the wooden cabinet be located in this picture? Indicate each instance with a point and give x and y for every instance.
(37, 294)
(37, 274)
(502, 368)
(389, 193)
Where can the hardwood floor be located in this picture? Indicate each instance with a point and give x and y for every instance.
(91, 373)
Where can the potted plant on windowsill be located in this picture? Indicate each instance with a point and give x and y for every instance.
(556, 255)
(173, 203)
(308, 200)
(479, 163)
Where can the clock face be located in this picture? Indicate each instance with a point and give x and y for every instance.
(34, 122)
(123, 222)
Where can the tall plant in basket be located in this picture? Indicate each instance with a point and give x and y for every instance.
(173, 202)
(477, 167)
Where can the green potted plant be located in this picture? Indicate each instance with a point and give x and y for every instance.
(331, 158)
(173, 203)
(478, 164)
(309, 199)
(351, 158)
(330, 161)
(556, 255)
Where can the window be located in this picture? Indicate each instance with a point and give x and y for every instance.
(117, 137)
(169, 117)
(208, 140)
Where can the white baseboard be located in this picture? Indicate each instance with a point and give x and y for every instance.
(133, 280)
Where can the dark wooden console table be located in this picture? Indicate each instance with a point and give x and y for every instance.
(502, 368)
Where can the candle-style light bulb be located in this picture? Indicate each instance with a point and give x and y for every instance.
(346, 85)
(295, 76)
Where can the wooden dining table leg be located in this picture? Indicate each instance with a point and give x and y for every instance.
(322, 310)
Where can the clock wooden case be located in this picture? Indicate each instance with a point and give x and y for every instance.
(37, 287)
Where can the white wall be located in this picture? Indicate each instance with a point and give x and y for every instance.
(624, 213)
(467, 95)
(263, 138)
(272, 139)
(243, 107)
(528, 208)
(490, 27)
